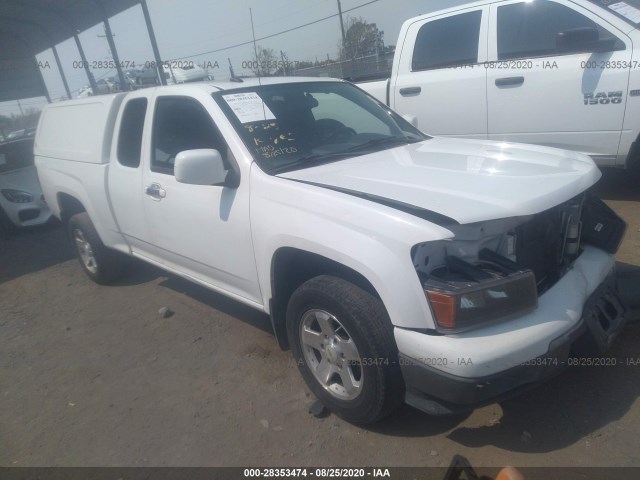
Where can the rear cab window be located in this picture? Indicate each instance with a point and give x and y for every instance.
(130, 135)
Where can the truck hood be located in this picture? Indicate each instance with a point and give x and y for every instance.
(465, 180)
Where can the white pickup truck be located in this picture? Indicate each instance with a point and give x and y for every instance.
(560, 73)
(396, 266)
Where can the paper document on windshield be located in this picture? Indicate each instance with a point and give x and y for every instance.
(248, 107)
(627, 11)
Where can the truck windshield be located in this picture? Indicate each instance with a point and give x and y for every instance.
(291, 126)
(629, 10)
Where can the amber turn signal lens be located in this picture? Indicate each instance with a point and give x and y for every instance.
(483, 302)
(444, 308)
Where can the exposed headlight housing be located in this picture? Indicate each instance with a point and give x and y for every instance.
(464, 296)
(16, 196)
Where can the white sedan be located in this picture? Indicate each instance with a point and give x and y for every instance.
(21, 201)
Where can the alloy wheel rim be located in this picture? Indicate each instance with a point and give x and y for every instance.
(85, 251)
(331, 354)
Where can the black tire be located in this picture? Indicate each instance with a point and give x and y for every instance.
(6, 225)
(633, 171)
(361, 318)
(107, 264)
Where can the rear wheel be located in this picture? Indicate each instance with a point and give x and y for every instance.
(100, 263)
(341, 340)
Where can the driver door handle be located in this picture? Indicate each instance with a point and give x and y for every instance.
(410, 91)
(509, 81)
(155, 191)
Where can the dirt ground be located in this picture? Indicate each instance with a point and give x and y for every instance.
(92, 376)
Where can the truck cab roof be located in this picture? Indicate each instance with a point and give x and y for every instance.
(598, 7)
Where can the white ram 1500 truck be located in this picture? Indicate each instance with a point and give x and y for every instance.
(560, 73)
(396, 266)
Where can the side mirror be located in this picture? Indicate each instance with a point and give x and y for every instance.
(412, 119)
(583, 40)
(200, 167)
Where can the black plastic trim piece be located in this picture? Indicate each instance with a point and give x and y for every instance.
(419, 212)
(28, 214)
(440, 393)
(279, 327)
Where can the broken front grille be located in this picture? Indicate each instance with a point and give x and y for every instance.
(550, 242)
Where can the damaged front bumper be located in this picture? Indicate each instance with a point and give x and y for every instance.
(445, 374)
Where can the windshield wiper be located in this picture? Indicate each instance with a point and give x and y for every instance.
(310, 161)
(315, 160)
(381, 141)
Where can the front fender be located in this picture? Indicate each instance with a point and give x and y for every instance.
(371, 239)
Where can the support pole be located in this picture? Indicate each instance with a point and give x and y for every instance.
(92, 81)
(114, 52)
(344, 38)
(42, 82)
(64, 79)
(154, 44)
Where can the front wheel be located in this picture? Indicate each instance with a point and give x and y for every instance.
(100, 263)
(342, 342)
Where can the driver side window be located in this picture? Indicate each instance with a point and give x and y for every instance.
(530, 29)
(181, 123)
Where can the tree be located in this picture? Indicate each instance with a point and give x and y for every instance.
(266, 62)
(361, 39)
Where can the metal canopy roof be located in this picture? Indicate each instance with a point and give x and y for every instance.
(28, 27)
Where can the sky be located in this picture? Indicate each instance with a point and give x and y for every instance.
(201, 30)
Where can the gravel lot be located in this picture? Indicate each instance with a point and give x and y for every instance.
(93, 376)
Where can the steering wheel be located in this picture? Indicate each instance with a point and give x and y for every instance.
(333, 131)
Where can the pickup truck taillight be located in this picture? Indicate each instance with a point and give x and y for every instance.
(464, 296)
